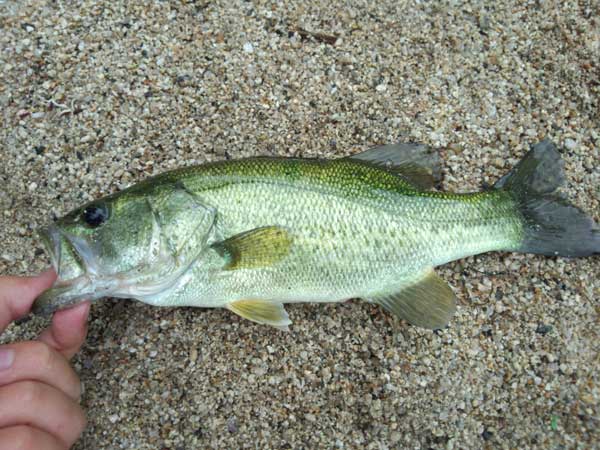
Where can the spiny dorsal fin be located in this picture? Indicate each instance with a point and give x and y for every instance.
(261, 311)
(259, 247)
(416, 163)
(424, 301)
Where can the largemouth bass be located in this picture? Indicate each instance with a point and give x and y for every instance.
(253, 234)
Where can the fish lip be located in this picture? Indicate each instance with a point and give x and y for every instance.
(65, 292)
(50, 237)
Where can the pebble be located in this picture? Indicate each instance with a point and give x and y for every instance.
(193, 355)
(232, 426)
(570, 144)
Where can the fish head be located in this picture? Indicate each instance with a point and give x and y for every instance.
(129, 244)
(105, 237)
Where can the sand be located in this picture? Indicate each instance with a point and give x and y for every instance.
(97, 95)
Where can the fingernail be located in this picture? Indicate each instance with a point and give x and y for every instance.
(7, 356)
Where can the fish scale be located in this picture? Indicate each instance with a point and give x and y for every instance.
(349, 239)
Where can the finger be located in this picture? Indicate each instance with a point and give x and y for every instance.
(37, 361)
(42, 406)
(68, 329)
(22, 437)
(18, 293)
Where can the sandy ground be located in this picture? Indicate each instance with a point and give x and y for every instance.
(97, 95)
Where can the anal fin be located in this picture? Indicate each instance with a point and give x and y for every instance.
(261, 311)
(425, 301)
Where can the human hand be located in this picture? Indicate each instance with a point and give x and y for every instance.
(39, 391)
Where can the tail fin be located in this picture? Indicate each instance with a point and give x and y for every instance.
(553, 226)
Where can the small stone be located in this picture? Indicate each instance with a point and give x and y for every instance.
(570, 144)
(248, 47)
(8, 258)
(232, 426)
(543, 329)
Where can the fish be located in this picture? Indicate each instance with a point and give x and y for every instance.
(251, 235)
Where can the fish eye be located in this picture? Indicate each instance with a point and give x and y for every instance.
(95, 215)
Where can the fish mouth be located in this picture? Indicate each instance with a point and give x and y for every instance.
(75, 264)
(70, 255)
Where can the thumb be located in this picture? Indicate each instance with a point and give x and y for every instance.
(17, 295)
(68, 329)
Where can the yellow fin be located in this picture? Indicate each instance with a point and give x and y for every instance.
(260, 247)
(261, 311)
(424, 301)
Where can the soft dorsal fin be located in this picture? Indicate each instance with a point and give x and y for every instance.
(416, 163)
(424, 301)
(261, 311)
(260, 247)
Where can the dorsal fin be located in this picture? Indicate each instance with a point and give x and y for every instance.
(416, 163)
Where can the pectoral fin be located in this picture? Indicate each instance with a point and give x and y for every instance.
(416, 163)
(424, 301)
(261, 311)
(260, 247)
